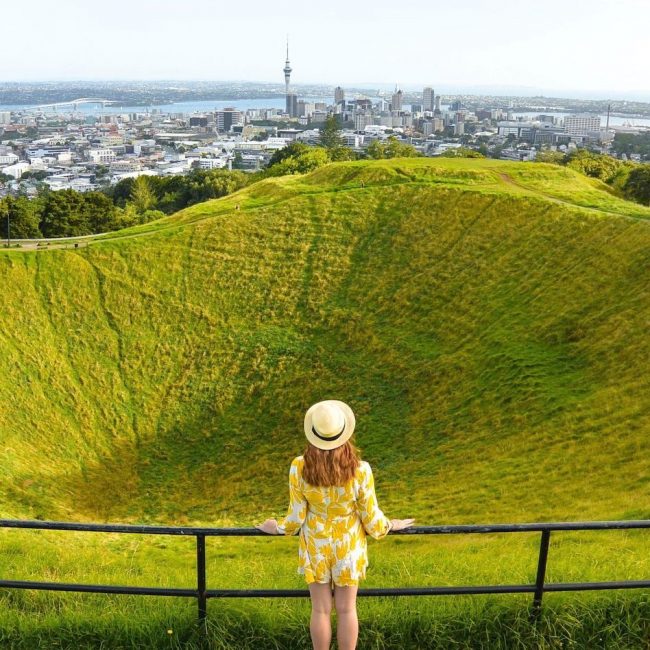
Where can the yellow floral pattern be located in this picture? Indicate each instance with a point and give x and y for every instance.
(333, 523)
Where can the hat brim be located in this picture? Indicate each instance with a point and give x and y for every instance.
(348, 431)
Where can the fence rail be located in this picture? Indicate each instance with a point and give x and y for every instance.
(202, 593)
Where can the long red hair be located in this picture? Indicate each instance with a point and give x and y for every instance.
(332, 466)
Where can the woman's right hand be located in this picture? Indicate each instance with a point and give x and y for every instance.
(401, 524)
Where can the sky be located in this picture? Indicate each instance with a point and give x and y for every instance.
(585, 47)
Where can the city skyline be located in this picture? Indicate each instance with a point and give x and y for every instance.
(581, 47)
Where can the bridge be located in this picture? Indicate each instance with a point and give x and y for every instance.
(75, 102)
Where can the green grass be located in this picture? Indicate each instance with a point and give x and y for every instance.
(487, 322)
(31, 619)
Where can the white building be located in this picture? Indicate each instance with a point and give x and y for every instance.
(353, 140)
(581, 124)
(288, 134)
(376, 130)
(16, 170)
(116, 178)
(5, 117)
(212, 163)
(8, 159)
(102, 155)
(275, 143)
(362, 120)
(126, 165)
(139, 145)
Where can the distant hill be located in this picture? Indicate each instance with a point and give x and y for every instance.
(487, 321)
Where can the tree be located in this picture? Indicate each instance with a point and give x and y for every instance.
(309, 159)
(238, 160)
(637, 186)
(629, 143)
(63, 215)
(141, 195)
(462, 152)
(99, 212)
(552, 157)
(291, 150)
(391, 148)
(330, 133)
(343, 153)
(593, 164)
(38, 175)
(24, 216)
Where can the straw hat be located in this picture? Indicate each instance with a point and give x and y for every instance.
(329, 424)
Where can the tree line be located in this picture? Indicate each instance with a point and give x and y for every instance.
(132, 201)
(628, 179)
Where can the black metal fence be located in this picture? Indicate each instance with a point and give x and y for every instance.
(202, 593)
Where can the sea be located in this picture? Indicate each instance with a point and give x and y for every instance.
(174, 107)
(273, 102)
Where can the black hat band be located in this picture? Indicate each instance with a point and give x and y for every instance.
(331, 438)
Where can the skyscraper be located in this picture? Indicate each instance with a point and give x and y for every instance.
(339, 95)
(292, 104)
(396, 103)
(428, 99)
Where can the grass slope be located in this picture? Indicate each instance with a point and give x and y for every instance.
(487, 321)
(491, 340)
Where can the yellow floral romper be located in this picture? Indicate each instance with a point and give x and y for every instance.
(333, 523)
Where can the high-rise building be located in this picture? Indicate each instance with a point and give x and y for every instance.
(305, 109)
(581, 124)
(226, 118)
(428, 99)
(292, 105)
(396, 103)
(339, 95)
(438, 104)
(362, 119)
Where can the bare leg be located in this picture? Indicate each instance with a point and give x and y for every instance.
(320, 625)
(347, 623)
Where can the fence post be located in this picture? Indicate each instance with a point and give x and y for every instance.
(200, 578)
(541, 572)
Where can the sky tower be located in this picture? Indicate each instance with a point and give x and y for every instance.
(287, 70)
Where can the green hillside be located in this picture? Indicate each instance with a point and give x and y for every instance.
(491, 337)
(488, 323)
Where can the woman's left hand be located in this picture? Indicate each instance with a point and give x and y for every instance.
(270, 526)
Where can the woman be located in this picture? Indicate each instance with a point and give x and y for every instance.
(332, 504)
